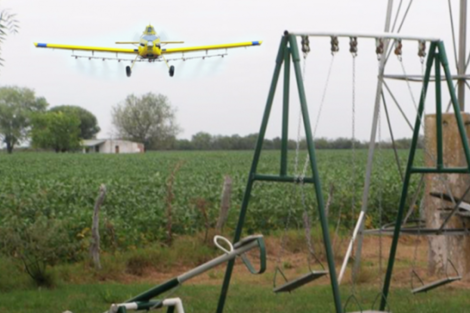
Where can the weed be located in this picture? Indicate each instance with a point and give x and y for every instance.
(140, 260)
(37, 246)
(112, 267)
(11, 276)
(287, 265)
(366, 275)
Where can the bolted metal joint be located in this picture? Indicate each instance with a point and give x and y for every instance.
(422, 50)
(353, 46)
(379, 47)
(305, 45)
(398, 49)
(334, 44)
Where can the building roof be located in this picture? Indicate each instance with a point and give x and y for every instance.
(92, 142)
(97, 142)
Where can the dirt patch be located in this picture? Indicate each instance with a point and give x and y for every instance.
(411, 254)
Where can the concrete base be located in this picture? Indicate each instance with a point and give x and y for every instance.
(441, 248)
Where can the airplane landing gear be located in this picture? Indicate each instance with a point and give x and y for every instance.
(172, 71)
(128, 71)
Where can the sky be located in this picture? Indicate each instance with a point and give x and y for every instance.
(221, 96)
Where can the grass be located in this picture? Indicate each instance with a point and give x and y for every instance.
(203, 298)
(11, 276)
(80, 288)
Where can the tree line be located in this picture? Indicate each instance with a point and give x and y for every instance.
(206, 141)
(149, 119)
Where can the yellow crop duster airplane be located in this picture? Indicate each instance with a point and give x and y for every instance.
(150, 48)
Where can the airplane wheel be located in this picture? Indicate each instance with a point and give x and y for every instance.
(128, 71)
(172, 71)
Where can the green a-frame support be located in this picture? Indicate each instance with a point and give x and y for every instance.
(436, 55)
(288, 51)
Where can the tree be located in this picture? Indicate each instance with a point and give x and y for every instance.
(56, 130)
(184, 144)
(16, 108)
(8, 24)
(202, 141)
(88, 123)
(145, 119)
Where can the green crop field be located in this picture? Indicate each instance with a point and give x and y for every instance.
(64, 187)
(51, 196)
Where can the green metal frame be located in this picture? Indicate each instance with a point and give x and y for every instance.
(436, 55)
(287, 50)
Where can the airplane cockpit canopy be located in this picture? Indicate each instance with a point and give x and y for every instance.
(149, 35)
(149, 30)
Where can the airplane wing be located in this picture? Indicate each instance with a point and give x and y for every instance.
(212, 47)
(84, 48)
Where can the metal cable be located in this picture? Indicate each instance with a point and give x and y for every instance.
(395, 152)
(296, 162)
(325, 88)
(306, 216)
(381, 186)
(297, 148)
(286, 227)
(320, 109)
(390, 48)
(404, 16)
(449, 105)
(307, 226)
(409, 87)
(353, 139)
(397, 104)
(413, 201)
(353, 157)
(453, 33)
(397, 14)
(467, 62)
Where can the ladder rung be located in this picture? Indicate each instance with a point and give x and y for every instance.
(298, 282)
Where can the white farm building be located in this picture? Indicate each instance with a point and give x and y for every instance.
(111, 146)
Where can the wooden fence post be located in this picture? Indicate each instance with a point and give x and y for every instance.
(170, 196)
(95, 233)
(225, 203)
